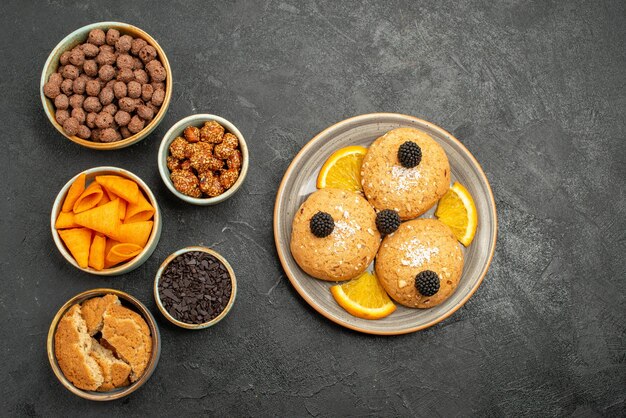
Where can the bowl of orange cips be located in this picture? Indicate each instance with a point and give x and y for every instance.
(106, 221)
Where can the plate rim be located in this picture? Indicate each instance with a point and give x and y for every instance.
(289, 273)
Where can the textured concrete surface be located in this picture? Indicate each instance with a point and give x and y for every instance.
(535, 89)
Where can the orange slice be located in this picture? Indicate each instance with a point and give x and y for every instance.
(342, 170)
(363, 297)
(457, 210)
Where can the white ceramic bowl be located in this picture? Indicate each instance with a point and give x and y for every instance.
(154, 235)
(222, 314)
(79, 36)
(176, 131)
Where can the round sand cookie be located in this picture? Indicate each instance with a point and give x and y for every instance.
(419, 245)
(409, 191)
(350, 247)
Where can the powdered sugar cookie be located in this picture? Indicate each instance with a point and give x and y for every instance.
(334, 235)
(420, 264)
(409, 186)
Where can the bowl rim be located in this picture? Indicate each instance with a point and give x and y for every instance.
(134, 262)
(48, 104)
(170, 136)
(299, 156)
(229, 305)
(115, 394)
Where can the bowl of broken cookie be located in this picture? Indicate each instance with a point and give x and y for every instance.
(103, 344)
(203, 159)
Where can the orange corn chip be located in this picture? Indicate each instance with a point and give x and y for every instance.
(140, 211)
(89, 199)
(134, 233)
(110, 243)
(122, 252)
(65, 221)
(78, 241)
(96, 252)
(76, 189)
(124, 188)
(105, 199)
(123, 203)
(104, 219)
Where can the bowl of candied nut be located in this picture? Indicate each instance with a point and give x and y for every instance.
(203, 159)
(106, 85)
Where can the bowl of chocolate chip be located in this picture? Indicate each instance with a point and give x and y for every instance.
(106, 85)
(195, 288)
(203, 159)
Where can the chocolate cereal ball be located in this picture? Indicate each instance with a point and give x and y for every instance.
(67, 87)
(78, 86)
(147, 53)
(122, 118)
(64, 59)
(76, 101)
(127, 104)
(90, 119)
(191, 134)
(158, 85)
(124, 43)
(145, 112)
(92, 104)
(104, 120)
(125, 75)
(96, 37)
(158, 97)
(71, 72)
(106, 96)
(77, 57)
(119, 89)
(137, 44)
(83, 132)
(90, 68)
(92, 87)
(111, 109)
(52, 90)
(156, 72)
(90, 50)
(112, 36)
(140, 76)
(106, 58)
(137, 64)
(136, 124)
(79, 114)
(134, 90)
(61, 102)
(61, 116)
(146, 92)
(109, 135)
(106, 72)
(125, 132)
(70, 126)
(55, 78)
(125, 61)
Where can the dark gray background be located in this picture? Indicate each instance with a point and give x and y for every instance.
(535, 89)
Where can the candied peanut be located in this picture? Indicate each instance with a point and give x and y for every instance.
(211, 132)
(210, 184)
(178, 147)
(186, 182)
(173, 163)
(223, 151)
(228, 178)
(230, 140)
(192, 134)
(235, 160)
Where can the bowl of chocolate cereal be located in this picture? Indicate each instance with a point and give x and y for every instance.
(106, 85)
(103, 344)
(203, 159)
